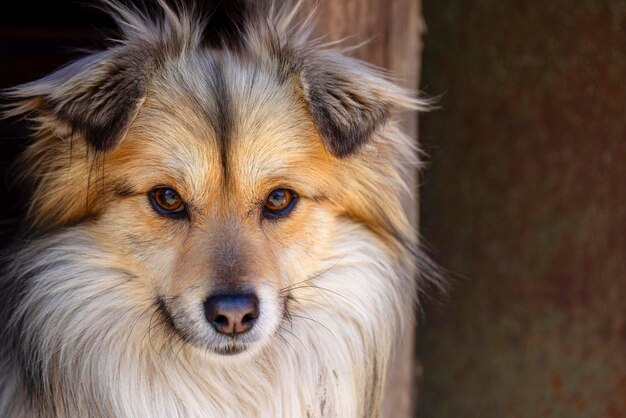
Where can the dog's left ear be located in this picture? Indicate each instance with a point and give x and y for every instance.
(96, 97)
(348, 100)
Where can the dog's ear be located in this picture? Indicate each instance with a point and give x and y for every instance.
(96, 97)
(348, 100)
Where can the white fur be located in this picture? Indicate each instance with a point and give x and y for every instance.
(105, 356)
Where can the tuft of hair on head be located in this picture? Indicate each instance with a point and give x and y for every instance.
(97, 97)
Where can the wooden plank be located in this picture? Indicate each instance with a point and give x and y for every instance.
(393, 32)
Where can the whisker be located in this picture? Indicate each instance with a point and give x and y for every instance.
(295, 336)
(328, 290)
(289, 345)
(296, 299)
(315, 321)
(287, 288)
(150, 328)
(139, 318)
(182, 345)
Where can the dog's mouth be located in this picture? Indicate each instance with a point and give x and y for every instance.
(230, 350)
(203, 334)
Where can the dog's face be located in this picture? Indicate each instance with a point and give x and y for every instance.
(217, 177)
(219, 217)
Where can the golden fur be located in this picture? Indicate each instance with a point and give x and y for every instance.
(102, 309)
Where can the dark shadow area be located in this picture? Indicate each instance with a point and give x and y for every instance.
(35, 39)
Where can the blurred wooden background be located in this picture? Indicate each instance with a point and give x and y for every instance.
(525, 201)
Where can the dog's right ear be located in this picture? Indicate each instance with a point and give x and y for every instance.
(96, 97)
(349, 100)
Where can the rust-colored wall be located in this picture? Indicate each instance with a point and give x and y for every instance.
(526, 203)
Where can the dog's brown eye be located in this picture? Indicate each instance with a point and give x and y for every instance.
(279, 202)
(167, 202)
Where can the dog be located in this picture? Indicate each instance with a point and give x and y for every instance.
(216, 226)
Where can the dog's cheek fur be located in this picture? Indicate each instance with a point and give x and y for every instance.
(140, 239)
(80, 112)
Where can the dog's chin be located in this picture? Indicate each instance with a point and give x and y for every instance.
(236, 350)
(221, 348)
(230, 352)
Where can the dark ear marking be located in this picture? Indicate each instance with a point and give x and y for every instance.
(97, 97)
(347, 101)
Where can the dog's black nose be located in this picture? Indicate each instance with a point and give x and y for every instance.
(232, 314)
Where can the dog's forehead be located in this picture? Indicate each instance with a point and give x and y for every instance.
(219, 119)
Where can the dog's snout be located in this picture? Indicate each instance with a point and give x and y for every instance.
(232, 314)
